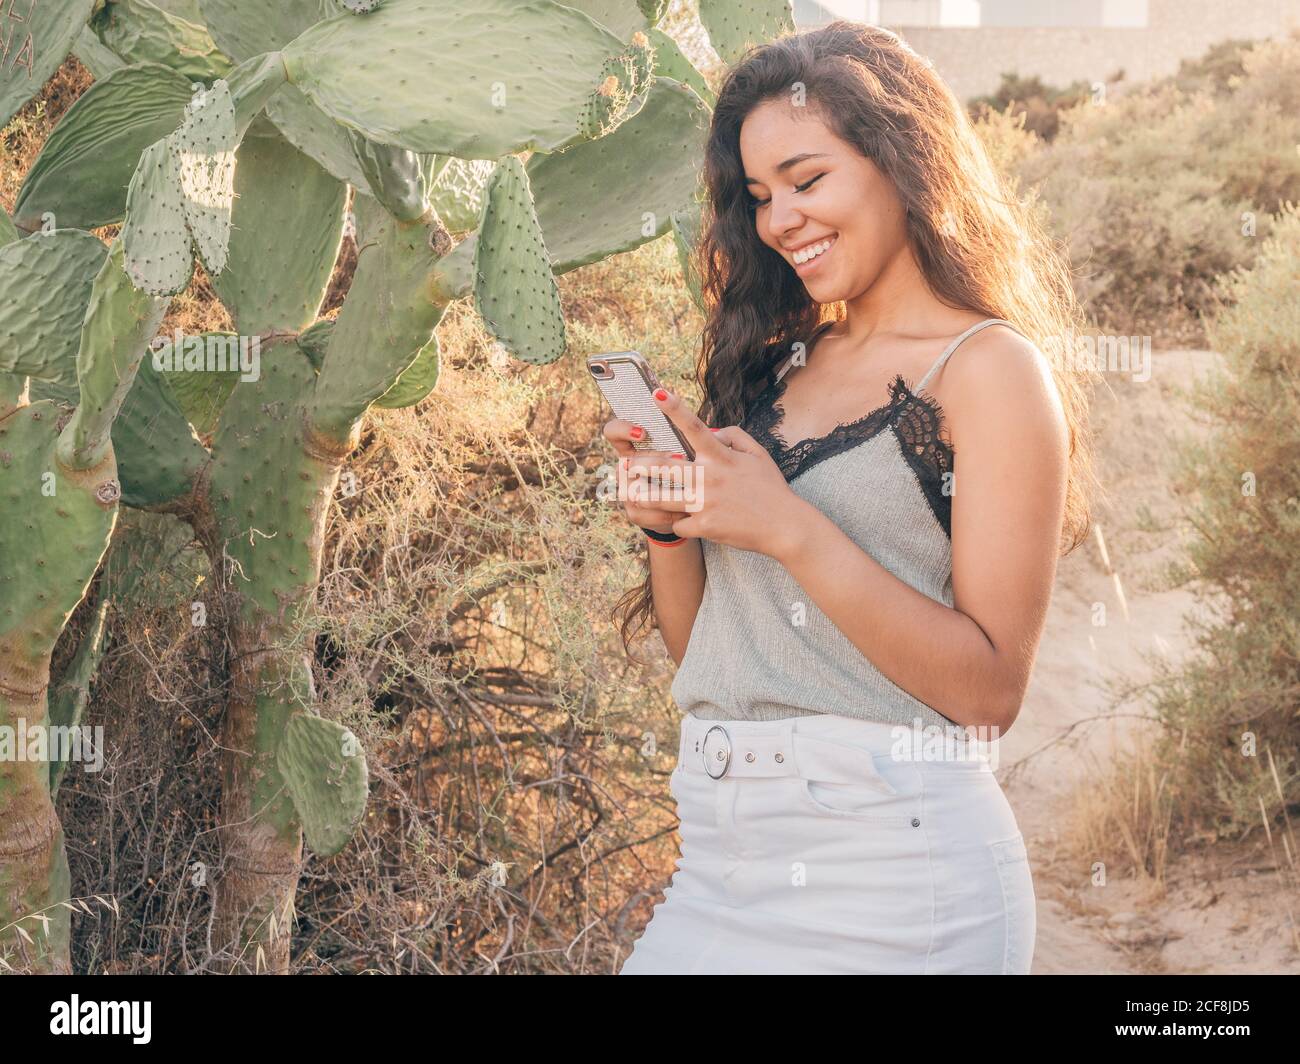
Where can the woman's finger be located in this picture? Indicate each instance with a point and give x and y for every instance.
(698, 434)
(624, 435)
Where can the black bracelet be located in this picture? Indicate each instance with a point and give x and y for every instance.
(662, 537)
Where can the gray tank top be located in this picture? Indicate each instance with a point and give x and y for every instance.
(760, 648)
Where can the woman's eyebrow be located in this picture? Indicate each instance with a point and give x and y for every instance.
(794, 160)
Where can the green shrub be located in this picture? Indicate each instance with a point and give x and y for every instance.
(1232, 734)
(1040, 104)
(1160, 191)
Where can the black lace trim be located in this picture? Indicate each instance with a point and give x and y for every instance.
(917, 421)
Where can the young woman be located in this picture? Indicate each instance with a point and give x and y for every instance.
(867, 549)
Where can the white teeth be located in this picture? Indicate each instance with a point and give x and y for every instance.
(803, 256)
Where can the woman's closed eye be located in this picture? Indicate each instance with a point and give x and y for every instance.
(755, 203)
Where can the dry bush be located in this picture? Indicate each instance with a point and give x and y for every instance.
(1122, 814)
(1160, 191)
(1036, 105)
(1224, 760)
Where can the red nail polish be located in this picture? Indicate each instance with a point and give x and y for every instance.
(677, 455)
(660, 394)
(713, 430)
(636, 432)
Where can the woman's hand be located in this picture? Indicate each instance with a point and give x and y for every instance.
(621, 434)
(732, 493)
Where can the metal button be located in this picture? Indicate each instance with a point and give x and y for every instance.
(749, 756)
(780, 758)
(915, 822)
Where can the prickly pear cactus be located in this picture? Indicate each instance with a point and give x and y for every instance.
(58, 496)
(299, 100)
(56, 528)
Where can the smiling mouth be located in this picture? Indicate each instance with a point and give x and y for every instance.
(807, 256)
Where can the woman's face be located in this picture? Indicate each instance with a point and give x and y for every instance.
(834, 194)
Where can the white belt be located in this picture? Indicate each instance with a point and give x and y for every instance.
(736, 748)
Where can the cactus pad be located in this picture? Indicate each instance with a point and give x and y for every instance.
(416, 381)
(144, 32)
(457, 195)
(34, 44)
(203, 155)
(286, 228)
(735, 25)
(671, 62)
(325, 772)
(86, 164)
(509, 75)
(155, 239)
(621, 17)
(613, 194)
(387, 320)
(243, 30)
(397, 178)
(8, 234)
(515, 291)
(157, 453)
(46, 281)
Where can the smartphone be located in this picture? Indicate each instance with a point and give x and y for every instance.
(628, 383)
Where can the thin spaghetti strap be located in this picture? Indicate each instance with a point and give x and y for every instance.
(817, 332)
(953, 346)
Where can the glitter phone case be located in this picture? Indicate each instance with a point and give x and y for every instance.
(628, 383)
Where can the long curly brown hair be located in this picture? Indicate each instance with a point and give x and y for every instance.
(979, 247)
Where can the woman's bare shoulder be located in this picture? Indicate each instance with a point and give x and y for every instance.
(999, 385)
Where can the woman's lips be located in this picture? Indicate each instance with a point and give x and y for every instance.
(804, 268)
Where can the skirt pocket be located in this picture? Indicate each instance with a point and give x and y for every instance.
(855, 802)
(849, 783)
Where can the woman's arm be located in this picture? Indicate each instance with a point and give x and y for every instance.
(677, 584)
(970, 662)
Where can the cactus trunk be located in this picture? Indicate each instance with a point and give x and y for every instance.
(261, 834)
(47, 559)
(33, 866)
(268, 494)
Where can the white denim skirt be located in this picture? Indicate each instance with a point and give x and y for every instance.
(828, 845)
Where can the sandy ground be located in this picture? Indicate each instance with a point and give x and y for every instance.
(1223, 909)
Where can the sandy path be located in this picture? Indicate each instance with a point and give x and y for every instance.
(1221, 912)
